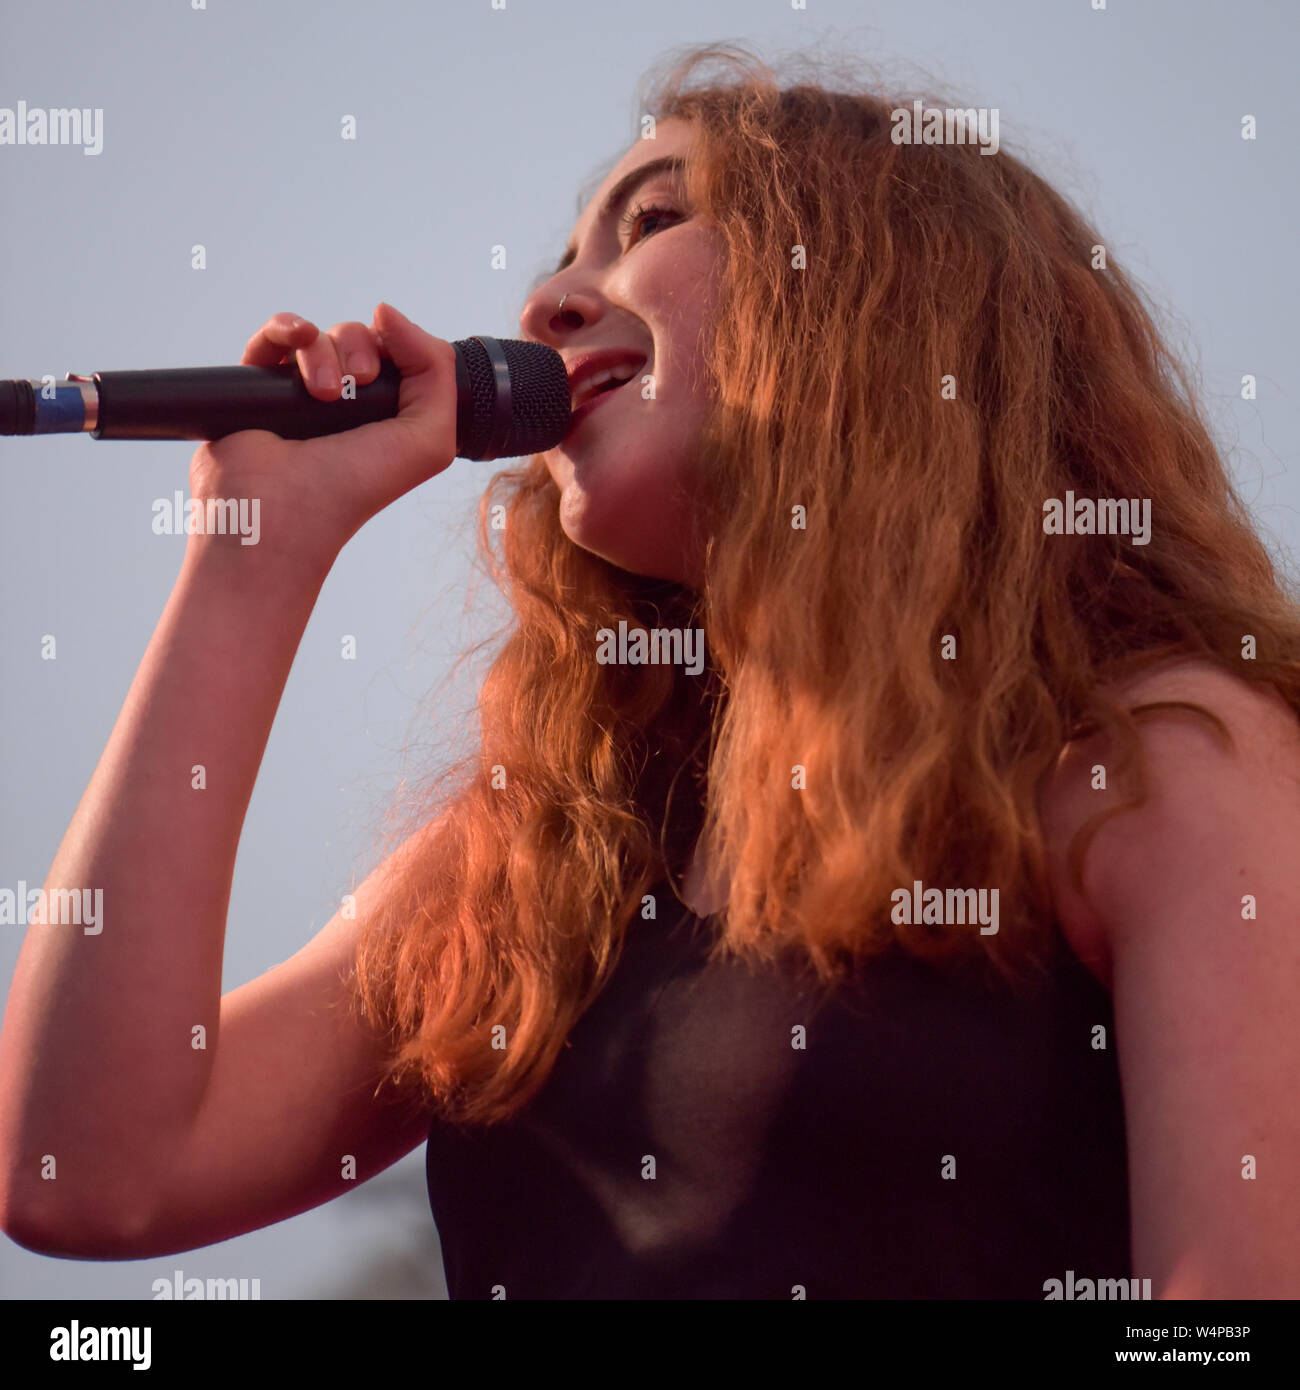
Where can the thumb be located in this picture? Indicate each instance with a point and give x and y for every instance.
(420, 440)
(410, 347)
(427, 396)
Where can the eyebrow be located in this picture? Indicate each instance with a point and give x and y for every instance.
(623, 190)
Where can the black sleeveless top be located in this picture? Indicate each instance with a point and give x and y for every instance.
(934, 1137)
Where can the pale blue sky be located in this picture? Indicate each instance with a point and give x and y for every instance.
(477, 127)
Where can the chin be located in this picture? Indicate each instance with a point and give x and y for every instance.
(627, 526)
(621, 550)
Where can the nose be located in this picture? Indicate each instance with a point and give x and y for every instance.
(543, 321)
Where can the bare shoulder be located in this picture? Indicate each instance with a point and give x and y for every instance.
(1204, 793)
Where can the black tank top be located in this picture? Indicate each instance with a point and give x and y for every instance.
(937, 1136)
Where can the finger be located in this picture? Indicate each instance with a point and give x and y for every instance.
(319, 367)
(276, 339)
(427, 364)
(420, 440)
(358, 350)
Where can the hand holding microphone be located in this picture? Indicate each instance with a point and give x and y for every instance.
(315, 494)
(290, 434)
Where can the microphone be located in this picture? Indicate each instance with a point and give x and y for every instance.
(512, 400)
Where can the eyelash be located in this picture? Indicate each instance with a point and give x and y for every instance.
(627, 223)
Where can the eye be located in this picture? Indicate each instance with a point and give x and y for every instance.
(630, 220)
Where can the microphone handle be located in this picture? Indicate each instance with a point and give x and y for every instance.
(222, 400)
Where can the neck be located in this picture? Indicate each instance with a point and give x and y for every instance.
(704, 889)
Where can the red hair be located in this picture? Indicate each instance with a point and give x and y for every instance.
(923, 519)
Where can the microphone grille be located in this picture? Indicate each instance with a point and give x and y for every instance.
(513, 398)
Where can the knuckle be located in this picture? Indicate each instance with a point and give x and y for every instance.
(356, 338)
(357, 349)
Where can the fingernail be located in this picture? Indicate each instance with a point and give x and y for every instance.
(325, 378)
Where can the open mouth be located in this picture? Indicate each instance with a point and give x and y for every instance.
(602, 384)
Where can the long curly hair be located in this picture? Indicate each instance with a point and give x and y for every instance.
(916, 346)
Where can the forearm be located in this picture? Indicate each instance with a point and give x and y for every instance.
(100, 1061)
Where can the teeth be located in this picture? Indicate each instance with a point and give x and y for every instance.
(593, 383)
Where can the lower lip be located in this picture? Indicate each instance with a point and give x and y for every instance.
(588, 406)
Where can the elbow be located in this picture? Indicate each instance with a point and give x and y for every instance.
(39, 1223)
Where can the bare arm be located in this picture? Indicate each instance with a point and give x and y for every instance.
(102, 1085)
(97, 1070)
(1191, 908)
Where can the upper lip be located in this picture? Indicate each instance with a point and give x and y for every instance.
(584, 365)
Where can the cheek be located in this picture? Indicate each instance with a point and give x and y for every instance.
(676, 290)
